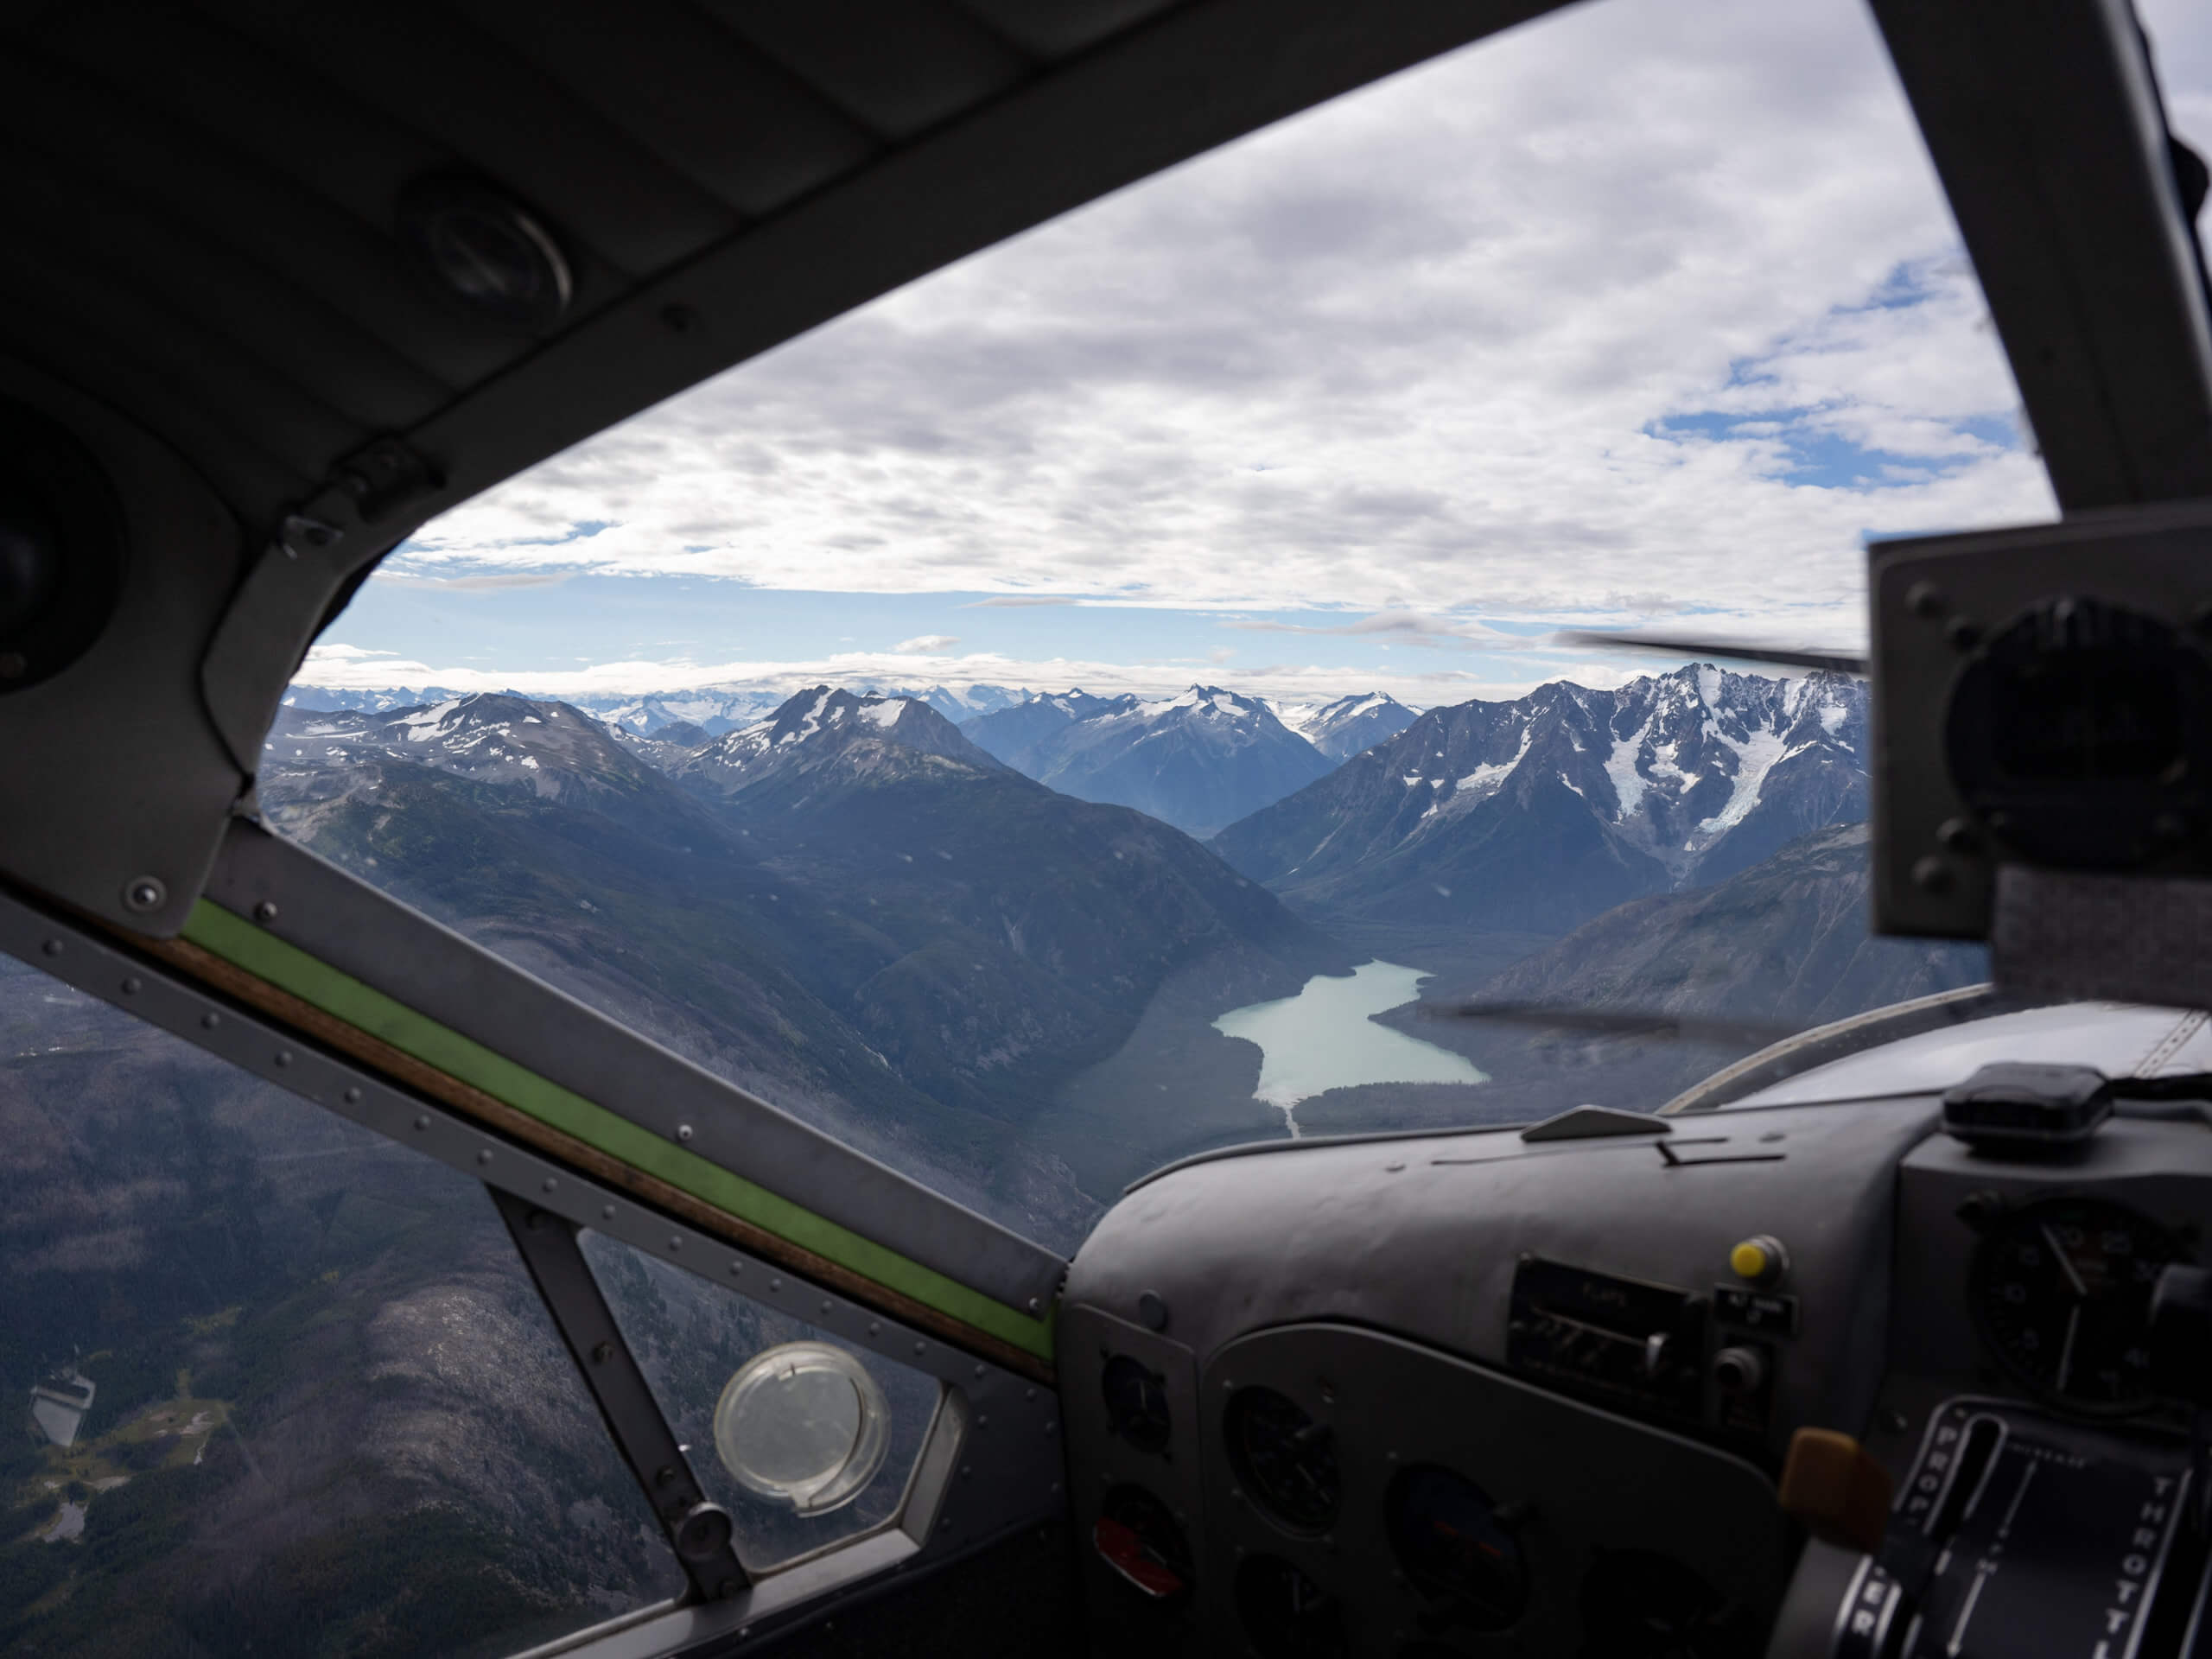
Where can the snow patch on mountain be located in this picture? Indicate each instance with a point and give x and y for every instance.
(1755, 758)
(1485, 780)
(1662, 782)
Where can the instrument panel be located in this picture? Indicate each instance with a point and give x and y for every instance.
(1473, 1395)
(2062, 1289)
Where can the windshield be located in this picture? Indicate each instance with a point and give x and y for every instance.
(1105, 701)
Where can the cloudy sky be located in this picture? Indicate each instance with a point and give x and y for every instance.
(1648, 313)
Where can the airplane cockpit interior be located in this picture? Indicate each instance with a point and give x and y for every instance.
(1643, 1090)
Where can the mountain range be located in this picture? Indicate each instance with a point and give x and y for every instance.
(712, 710)
(847, 906)
(1537, 814)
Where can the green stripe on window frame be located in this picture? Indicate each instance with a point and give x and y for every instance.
(289, 969)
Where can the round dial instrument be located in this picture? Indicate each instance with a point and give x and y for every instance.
(1286, 1461)
(1136, 1404)
(1454, 1546)
(2062, 1288)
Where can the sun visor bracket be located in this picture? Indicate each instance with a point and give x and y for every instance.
(318, 549)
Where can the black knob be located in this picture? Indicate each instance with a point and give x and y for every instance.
(1738, 1370)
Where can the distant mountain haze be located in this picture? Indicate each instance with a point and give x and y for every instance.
(1539, 813)
(1199, 760)
(1341, 729)
(712, 709)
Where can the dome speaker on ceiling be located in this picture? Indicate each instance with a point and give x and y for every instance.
(486, 250)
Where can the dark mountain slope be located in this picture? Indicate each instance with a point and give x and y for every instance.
(1002, 929)
(331, 1309)
(680, 934)
(1784, 943)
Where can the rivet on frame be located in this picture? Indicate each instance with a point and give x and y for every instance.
(606, 1212)
(423, 1121)
(51, 947)
(736, 1268)
(827, 1305)
(485, 1156)
(549, 1184)
(133, 985)
(684, 1131)
(283, 1056)
(676, 1241)
(211, 1020)
(775, 1284)
(353, 1097)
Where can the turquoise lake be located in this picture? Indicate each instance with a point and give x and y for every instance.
(1322, 1039)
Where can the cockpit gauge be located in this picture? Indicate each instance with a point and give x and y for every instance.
(1136, 1402)
(2062, 1289)
(1286, 1461)
(1285, 1615)
(1455, 1548)
(1139, 1540)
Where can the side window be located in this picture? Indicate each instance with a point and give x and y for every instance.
(805, 1440)
(279, 1385)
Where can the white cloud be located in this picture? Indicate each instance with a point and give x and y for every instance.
(348, 655)
(930, 644)
(1651, 307)
(1423, 682)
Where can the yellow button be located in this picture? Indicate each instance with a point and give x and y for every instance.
(1750, 1259)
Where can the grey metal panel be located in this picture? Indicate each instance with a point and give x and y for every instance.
(1590, 1482)
(344, 921)
(2155, 561)
(113, 771)
(1100, 1460)
(1422, 1237)
(2044, 121)
(1011, 1471)
(1307, 1143)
